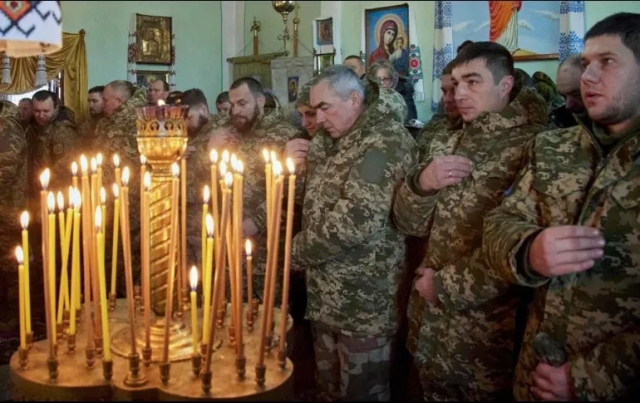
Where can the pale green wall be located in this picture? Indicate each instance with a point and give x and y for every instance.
(271, 26)
(196, 25)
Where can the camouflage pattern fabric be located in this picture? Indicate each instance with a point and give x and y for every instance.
(353, 254)
(593, 315)
(459, 342)
(87, 132)
(270, 132)
(423, 140)
(351, 367)
(51, 146)
(13, 197)
(547, 88)
(116, 134)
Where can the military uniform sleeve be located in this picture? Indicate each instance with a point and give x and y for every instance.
(413, 208)
(609, 371)
(12, 160)
(64, 149)
(359, 214)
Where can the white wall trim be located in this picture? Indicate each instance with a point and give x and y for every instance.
(233, 36)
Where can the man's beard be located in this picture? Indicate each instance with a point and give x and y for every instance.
(202, 120)
(243, 126)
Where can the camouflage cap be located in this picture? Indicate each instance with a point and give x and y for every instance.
(303, 95)
(8, 109)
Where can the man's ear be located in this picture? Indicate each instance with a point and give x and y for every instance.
(355, 99)
(261, 101)
(506, 85)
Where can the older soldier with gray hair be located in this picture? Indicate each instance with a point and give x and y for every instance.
(352, 253)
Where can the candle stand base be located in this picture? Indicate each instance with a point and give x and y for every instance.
(29, 339)
(71, 343)
(23, 354)
(107, 370)
(77, 382)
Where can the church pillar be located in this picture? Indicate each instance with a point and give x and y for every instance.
(334, 9)
(232, 36)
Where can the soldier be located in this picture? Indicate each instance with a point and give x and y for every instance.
(568, 80)
(26, 112)
(13, 197)
(352, 255)
(201, 124)
(116, 134)
(570, 230)
(466, 354)
(87, 129)
(248, 131)
(158, 91)
(222, 103)
(452, 116)
(355, 63)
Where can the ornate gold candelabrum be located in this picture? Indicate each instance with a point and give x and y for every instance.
(284, 8)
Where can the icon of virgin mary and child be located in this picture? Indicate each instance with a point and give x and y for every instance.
(391, 47)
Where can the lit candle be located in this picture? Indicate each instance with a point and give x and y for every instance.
(214, 189)
(99, 170)
(268, 177)
(172, 260)
(75, 263)
(103, 210)
(287, 254)
(44, 180)
(205, 211)
(126, 247)
(193, 279)
(223, 279)
(24, 221)
(68, 235)
(51, 204)
(116, 170)
(74, 172)
(103, 287)
(64, 275)
(247, 246)
(146, 270)
(238, 200)
(207, 279)
(116, 228)
(21, 299)
(86, 250)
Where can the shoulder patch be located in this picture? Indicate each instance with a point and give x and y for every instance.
(372, 166)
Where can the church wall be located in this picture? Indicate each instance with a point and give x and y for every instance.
(198, 39)
(271, 26)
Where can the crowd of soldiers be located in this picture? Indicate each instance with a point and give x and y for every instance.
(525, 217)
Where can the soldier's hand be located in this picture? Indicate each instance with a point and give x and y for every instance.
(445, 171)
(220, 138)
(565, 249)
(297, 150)
(553, 383)
(249, 228)
(424, 284)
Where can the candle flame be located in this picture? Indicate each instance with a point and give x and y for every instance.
(98, 219)
(19, 255)
(116, 191)
(74, 168)
(77, 198)
(240, 167)
(225, 156)
(223, 168)
(116, 160)
(213, 155)
(193, 278)
(143, 160)
(272, 156)
(175, 169)
(209, 224)
(160, 102)
(206, 194)
(103, 196)
(94, 165)
(265, 155)
(83, 164)
(247, 247)
(24, 220)
(277, 168)
(51, 203)
(125, 176)
(291, 167)
(146, 182)
(60, 202)
(234, 161)
(44, 179)
(228, 179)
(99, 159)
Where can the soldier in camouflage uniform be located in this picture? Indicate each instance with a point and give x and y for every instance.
(200, 125)
(571, 230)
(351, 252)
(13, 197)
(52, 141)
(116, 134)
(248, 131)
(87, 129)
(466, 352)
(568, 82)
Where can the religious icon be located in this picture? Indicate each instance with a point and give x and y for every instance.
(154, 39)
(387, 36)
(324, 32)
(292, 88)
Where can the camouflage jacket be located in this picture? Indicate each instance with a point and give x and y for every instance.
(353, 254)
(51, 146)
(87, 132)
(13, 171)
(430, 129)
(480, 336)
(272, 133)
(594, 315)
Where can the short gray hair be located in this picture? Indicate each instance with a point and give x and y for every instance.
(574, 60)
(124, 88)
(342, 80)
